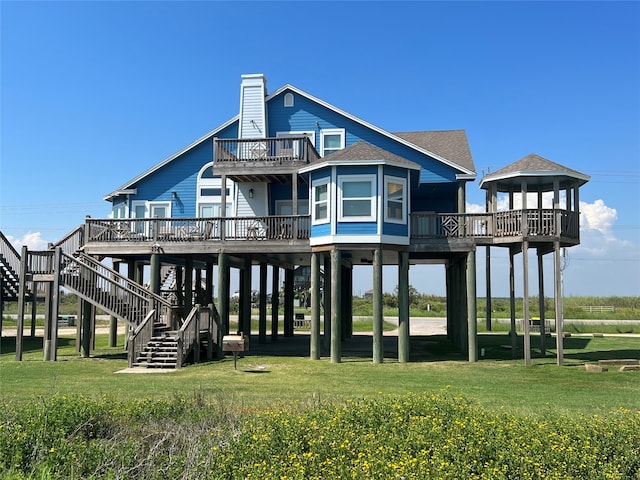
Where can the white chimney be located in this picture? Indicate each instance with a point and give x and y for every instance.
(253, 110)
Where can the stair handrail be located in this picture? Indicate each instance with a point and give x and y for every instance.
(140, 337)
(71, 242)
(10, 254)
(189, 336)
(117, 286)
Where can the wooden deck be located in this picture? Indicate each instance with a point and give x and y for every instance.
(278, 232)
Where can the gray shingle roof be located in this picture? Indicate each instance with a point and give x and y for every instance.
(533, 166)
(366, 151)
(449, 144)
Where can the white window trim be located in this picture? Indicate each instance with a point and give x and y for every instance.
(403, 182)
(312, 207)
(331, 131)
(160, 204)
(215, 182)
(358, 178)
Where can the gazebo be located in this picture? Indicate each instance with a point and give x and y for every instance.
(534, 203)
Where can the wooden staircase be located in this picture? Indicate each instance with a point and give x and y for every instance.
(161, 351)
(9, 270)
(160, 338)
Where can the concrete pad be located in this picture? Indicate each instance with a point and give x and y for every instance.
(146, 370)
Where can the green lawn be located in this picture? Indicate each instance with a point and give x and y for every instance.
(496, 381)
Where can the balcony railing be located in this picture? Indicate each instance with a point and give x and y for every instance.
(279, 227)
(511, 223)
(279, 151)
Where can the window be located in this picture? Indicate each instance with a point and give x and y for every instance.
(288, 100)
(394, 198)
(357, 198)
(331, 140)
(320, 201)
(209, 194)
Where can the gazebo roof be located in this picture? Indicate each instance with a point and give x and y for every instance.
(537, 172)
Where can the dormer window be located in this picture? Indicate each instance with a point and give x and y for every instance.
(288, 100)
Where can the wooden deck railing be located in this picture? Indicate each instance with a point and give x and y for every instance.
(282, 151)
(511, 223)
(279, 227)
(140, 337)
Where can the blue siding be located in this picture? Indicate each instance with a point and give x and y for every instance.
(305, 113)
(178, 176)
(321, 230)
(357, 228)
(395, 229)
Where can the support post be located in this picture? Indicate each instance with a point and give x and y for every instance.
(244, 323)
(315, 306)
(472, 310)
(378, 345)
(543, 342)
(223, 293)
(326, 291)
(403, 307)
(288, 302)
(86, 329)
(525, 300)
(512, 302)
(188, 286)
(154, 275)
(55, 304)
(113, 321)
(262, 304)
(336, 287)
(488, 306)
(558, 303)
(22, 291)
(275, 301)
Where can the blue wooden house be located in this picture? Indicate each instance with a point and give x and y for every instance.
(289, 182)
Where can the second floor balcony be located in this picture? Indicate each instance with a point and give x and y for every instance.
(244, 159)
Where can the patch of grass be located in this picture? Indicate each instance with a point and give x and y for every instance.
(497, 380)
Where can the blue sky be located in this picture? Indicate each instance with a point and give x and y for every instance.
(94, 93)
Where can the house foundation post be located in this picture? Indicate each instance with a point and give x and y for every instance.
(275, 301)
(223, 294)
(86, 329)
(326, 292)
(315, 306)
(378, 345)
(336, 288)
(154, 275)
(288, 302)
(262, 305)
(188, 286)
(403, 307)
(472, 311)
(244, 320)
